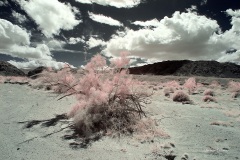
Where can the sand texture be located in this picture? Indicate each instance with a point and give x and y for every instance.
(200, 130)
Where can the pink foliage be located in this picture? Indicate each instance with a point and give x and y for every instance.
(215, 84)
(208, 92)
(209, 98)
(97, 63)
(180, 96)
(106, 97)
(172, 84)
(60, 81)
(121, 62)
(234, 86)
(2, 79)
(190, 84)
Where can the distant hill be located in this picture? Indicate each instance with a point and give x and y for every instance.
(7, 69)
(190, 68)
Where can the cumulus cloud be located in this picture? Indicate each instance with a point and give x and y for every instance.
(235, 19)
(51, 15)
(233, 57)
(183, 36)
(114, 3)
(36, 63)
(92, 42)
(12, 34)
(232, 38)
(104, 19)
(20, 18)
(15, 41)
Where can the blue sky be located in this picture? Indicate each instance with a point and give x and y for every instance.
(53, 32)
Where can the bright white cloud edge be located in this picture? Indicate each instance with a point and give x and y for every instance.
(15, 41)
(51, 15)
(114, 3)
(104, 19)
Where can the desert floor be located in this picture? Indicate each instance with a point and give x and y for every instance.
(200, 131)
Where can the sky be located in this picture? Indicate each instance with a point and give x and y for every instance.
(54, 32)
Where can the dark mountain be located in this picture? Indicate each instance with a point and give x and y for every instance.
(34, 73)
(6, 69)
(190, 68)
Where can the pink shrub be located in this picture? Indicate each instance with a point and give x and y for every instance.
(172, 84)
(120, 62)
(59, 81)
(2, 79)
(215, 84)
(107, 99)
(235, 94)
(234, 87)
(190, 84)
(208, 92)
(167, 91)
(180, 96)
(209, 98)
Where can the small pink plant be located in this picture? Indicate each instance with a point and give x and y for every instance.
(2, 79)
(209, 98)
(180, 96)
(167, 91)
(208, 92)
(234, 87)
(190, 84)
(215, 84)
(59, 81)
(172, 84)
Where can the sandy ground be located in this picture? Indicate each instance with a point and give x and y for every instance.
(200, 131)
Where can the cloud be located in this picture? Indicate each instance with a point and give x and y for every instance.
(149, 23)
(185, 35)
(104, 19)
(15, 41)
(54, 44)
(92, 42)
(233, 57)
(232, 38)
(11, 34)
(51, 15)
(76, 40)
(4, 3)
(37, 62)
(114, 3)
(20, 18)
(235, 21)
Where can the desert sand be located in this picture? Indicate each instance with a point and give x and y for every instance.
(200, 131)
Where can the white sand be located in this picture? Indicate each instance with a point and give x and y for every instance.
(188, 125)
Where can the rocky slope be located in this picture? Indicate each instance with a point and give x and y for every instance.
(6, 69)
(190, 68)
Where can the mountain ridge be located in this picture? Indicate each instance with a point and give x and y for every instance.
(190, 68)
